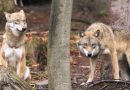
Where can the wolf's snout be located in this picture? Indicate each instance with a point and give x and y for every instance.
(23, 29)
(89, 54)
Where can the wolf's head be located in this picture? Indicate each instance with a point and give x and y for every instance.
(16, 22)
(92, 40)
(89, 42)
(89, 46)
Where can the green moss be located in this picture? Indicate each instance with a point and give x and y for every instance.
(103, 12)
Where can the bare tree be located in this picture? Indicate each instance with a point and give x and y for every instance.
(58, 45)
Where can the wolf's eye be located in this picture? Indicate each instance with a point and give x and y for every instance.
(85, 44)
(24, 21)
(16, 22)
(93, 45)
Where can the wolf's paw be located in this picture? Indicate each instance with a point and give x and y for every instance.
(84, 84)
(117, 79)
(27, 74)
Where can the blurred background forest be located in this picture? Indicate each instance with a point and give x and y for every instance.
(84, 13)
(38, 11)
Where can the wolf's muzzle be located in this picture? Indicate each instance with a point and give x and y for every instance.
(89, 55)
(24, 29)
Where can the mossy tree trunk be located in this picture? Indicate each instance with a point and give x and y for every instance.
(58, 45)
(7, 5)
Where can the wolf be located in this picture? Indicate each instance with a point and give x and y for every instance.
(12, 53)
(100, 39)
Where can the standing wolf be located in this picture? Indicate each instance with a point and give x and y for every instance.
(100, 39)
(12, 52)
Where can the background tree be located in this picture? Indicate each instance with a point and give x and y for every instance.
(58, 45)
(6, 5)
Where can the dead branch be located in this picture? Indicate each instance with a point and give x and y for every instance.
(103, 84)
(82, 21)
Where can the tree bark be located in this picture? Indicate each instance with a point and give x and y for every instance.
(58, 45)
(10, 81)
(7, 5)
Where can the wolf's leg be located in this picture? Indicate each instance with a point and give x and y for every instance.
(115, 64)
(128, 61)
(18, 67)
(21, 66)
(124, 68)
(27, 74)
(92, 69)
(106, 66)
(22, 70)
(21, 2)
(15, 2)
(128, 55)
(3, 61)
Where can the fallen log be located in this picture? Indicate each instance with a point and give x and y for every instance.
(10, 81)
(103, 85)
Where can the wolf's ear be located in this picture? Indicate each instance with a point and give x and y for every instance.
(81, 34)
(97, 33)
(7, 15)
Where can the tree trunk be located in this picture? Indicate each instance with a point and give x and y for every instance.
(10, 81)
(7, 5)
(58, 45)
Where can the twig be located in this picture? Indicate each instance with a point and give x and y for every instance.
(102, 88)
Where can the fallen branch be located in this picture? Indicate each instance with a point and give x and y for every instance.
(103, 84)
(82, 21)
